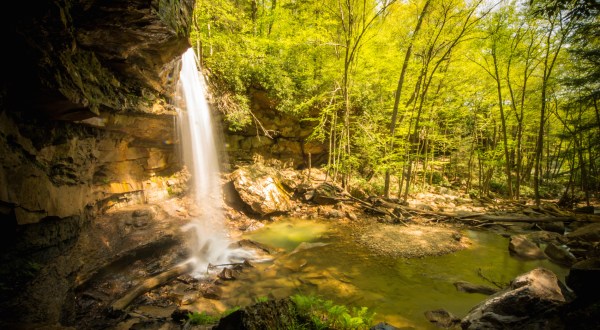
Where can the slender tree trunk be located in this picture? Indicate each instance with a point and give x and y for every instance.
(503, 123)
(550, 57)
(398, 93)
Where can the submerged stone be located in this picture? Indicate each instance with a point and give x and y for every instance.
(442, 318)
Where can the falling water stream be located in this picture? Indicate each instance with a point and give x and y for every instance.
(210, 245)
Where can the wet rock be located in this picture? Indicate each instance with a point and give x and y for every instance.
(442, 318)
(589, 233)
(211, 291)
(383, 326)
(187, 279)
(528, 296)
(584, 278)
(545, 237)
(250, 244)
(271, 314)
(179, 315)
(467, 287)
(555, 227)
(227, 274)
(523, 248)
(189, 298)
(259, 187)
(559, 254)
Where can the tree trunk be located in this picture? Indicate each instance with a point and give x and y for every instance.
(503, 123)
(398, 93)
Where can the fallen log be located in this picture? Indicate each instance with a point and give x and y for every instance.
(496, 218)
(150, 284)
(371, 207)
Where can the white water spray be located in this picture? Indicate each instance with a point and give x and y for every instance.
(210, 244)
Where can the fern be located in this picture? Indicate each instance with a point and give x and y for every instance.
(324, 314)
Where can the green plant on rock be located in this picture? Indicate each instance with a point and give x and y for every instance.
(203, 318)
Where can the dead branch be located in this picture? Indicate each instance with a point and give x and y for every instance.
(495, 218)
(369, 206)
(150, 284)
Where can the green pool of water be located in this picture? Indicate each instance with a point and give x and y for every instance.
(399, 290)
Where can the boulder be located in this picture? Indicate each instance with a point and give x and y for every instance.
(523, 248)
(271, 314)
(326, 194)
(259, 187)
(442, 318)
(555, 227)
(589, 233)
(584, 278)
(559, 254)
(528, 296)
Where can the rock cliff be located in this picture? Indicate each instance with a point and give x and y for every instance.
(85, 126)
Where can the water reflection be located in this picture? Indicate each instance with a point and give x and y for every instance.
(399, 290)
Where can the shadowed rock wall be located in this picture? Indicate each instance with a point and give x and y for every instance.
(84, 112)
(85, 126)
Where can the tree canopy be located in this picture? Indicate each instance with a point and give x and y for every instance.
(493, 96)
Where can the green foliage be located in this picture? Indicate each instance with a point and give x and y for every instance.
(324, 314)
(290, 56)
(202, 318)
(261, 299)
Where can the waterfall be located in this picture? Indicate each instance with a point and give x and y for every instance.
(209, 243)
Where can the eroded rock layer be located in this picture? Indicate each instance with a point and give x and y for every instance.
(85, 127)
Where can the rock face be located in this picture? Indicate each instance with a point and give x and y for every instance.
(73, 59)
(289, 140)
(529, 295)
(85, 126)
(84, 114)
(260, 188)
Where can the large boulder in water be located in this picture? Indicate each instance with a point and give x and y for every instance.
(588, 233)
(261, 189)
(529, 295)
(523, 248)
(584, 278)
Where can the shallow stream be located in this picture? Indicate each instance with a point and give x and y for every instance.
(334, 267)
